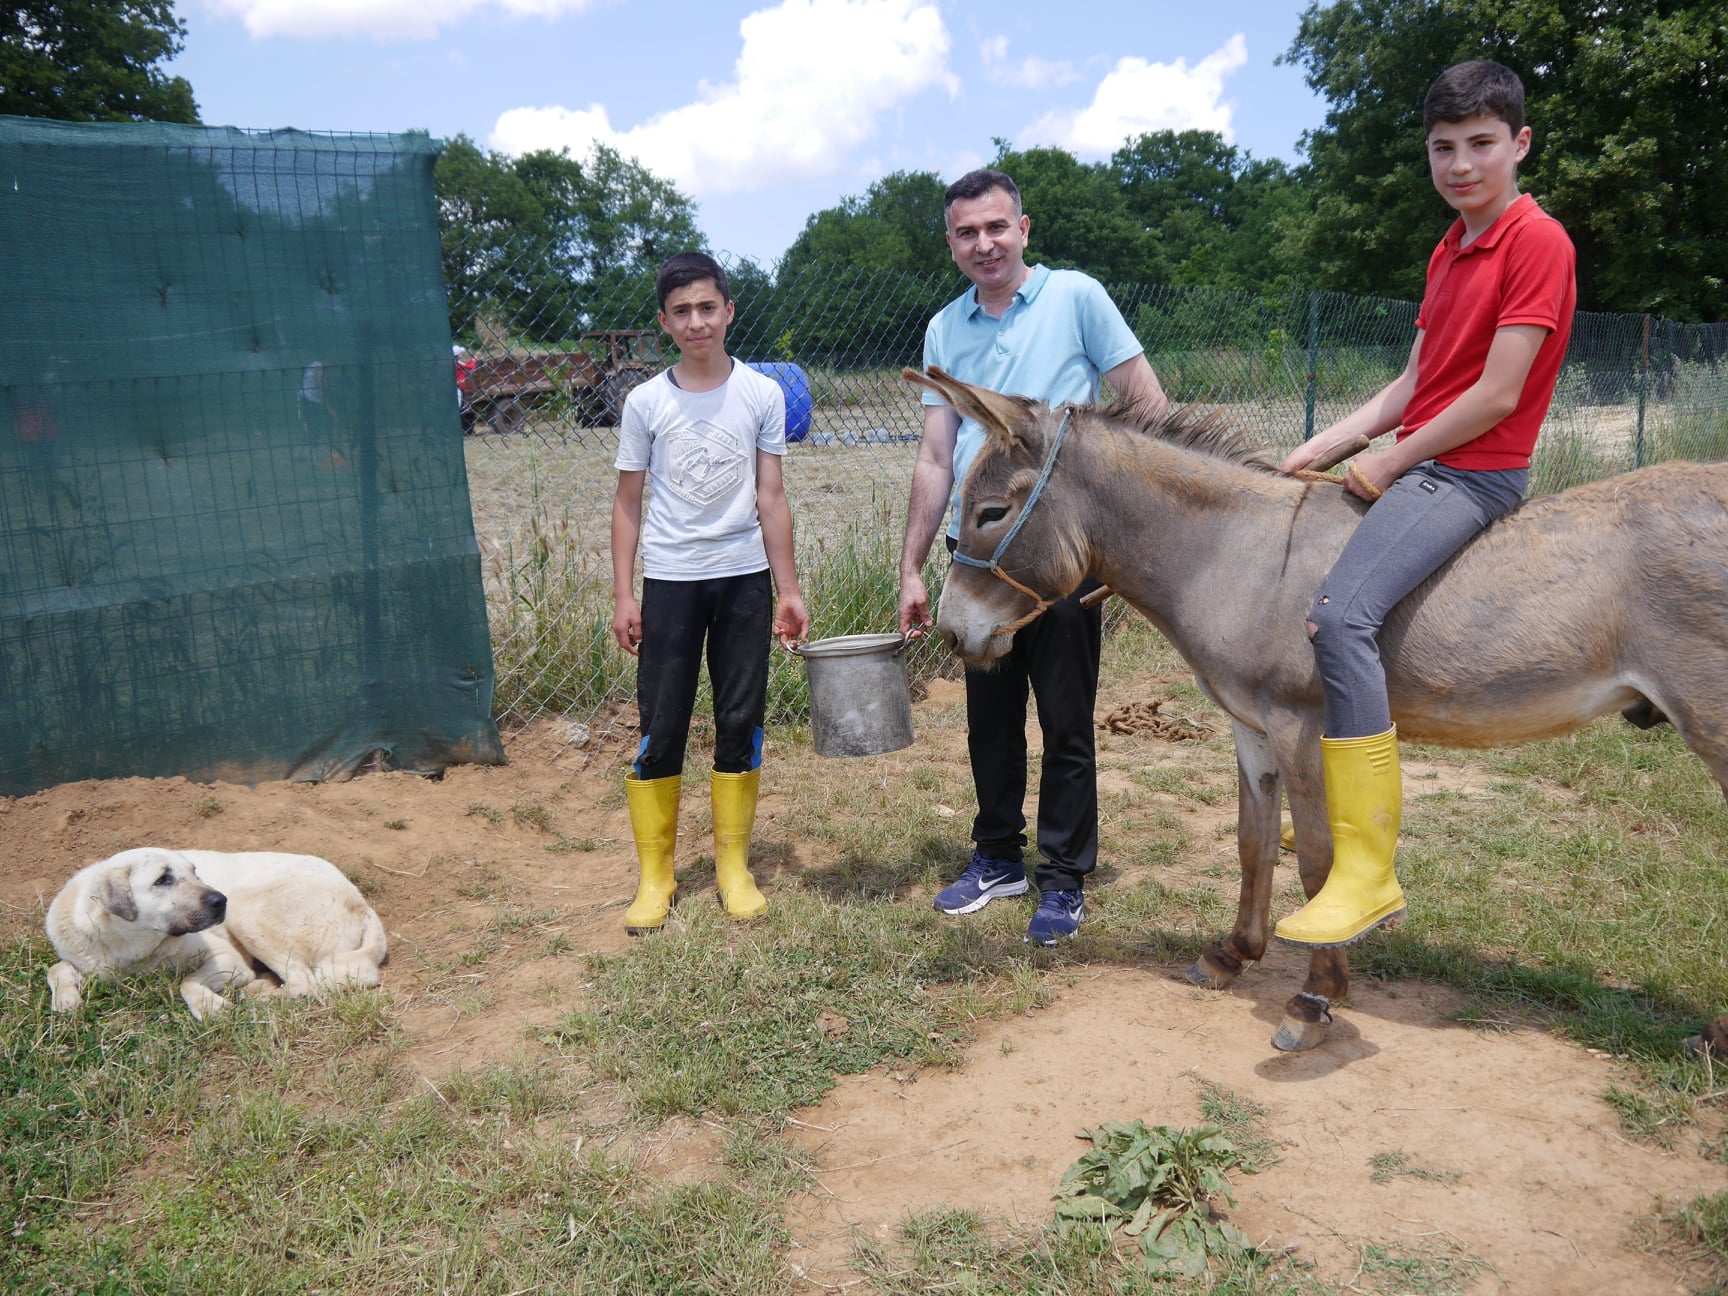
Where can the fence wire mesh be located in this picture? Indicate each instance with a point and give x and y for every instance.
(551, 369)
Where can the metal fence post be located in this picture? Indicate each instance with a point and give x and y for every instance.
(1313, 364)
(1643, 390)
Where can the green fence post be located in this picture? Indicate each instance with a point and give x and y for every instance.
(1643, 388)
(1313, 363)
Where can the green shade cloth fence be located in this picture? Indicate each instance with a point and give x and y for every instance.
(235, 533)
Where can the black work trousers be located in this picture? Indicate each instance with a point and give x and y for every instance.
(1055, 659)
(735, 616)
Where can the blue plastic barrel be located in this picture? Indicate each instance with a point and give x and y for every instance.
(797, 388)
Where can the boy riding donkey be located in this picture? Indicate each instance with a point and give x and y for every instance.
(1490, 337)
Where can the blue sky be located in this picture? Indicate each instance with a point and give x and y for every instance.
(762, 112)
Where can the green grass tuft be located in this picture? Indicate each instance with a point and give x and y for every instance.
(756, 1020)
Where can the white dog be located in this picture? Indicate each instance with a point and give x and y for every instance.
(220, 917)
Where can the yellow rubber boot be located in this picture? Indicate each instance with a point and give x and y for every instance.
(734, 798)
(1286, 834)
(1364, 795)
(654, 820)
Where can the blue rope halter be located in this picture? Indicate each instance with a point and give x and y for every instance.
(994, 564)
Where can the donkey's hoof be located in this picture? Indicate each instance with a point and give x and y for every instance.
(1306, 1018)
(1206, 974)
(1711, 1043)
(1297, 1036)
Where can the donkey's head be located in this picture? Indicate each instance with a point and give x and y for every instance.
(1019, 549)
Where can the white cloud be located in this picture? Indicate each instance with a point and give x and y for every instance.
(383, 19)
(1137, 96)
(811, 81)
(1032, 73)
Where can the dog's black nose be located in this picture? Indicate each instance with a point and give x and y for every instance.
(216, 903)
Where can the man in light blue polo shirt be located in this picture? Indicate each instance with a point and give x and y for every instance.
(1049, 335)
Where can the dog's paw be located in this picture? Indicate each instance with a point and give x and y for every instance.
(64, 987)
(203, 1001)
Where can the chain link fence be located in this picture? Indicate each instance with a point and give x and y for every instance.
(548, 366)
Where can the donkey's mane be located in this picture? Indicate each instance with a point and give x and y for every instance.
(1205, 431)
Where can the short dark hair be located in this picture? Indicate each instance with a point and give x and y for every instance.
(975, 184)
(1475, 89)
(685, 269)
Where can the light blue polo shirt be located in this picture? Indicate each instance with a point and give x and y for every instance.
(1059, 335)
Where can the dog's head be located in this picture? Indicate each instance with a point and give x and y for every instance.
(159, 890)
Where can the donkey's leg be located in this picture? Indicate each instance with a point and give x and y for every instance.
(1258, 797)
(1698, 708)
(1308, 1013)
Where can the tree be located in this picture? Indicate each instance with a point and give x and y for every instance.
(753, 294)
(861, 280)
(895, 225)
(1081, 218)
(1220, 217)
(548, 246)
(1629, 107)
(92, 60)
(484, 209)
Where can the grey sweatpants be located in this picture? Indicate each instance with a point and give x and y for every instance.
(1424, 518)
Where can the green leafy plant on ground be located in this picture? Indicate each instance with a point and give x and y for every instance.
(1157, 1184)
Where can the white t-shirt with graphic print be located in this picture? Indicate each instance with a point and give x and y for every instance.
(699, 450)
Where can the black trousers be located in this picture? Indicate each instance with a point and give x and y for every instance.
(734, 615)
(1055, 660)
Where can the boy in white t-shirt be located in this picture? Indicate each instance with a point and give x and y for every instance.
(709, 433)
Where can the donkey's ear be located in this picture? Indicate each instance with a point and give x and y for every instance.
(1004, 418)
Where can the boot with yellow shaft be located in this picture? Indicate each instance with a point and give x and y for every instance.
(1364, 796)
(654, 820)
(734, 797)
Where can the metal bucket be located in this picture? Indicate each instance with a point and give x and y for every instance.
(859, 702)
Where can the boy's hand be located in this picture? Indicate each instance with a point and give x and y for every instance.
(791, 621)
(1299, 458)
(1378, 470)
(627, 624)
(914, 606)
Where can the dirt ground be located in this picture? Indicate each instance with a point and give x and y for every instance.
(1523, 1167)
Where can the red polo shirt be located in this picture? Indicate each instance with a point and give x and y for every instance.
(1520, 271)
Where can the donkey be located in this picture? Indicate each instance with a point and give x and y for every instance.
(1610, 596)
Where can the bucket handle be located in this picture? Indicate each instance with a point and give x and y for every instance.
(797, 650)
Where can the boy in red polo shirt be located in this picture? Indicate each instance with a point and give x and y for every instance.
(1490, 336)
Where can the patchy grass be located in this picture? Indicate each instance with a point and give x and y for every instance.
(1701, 1227)
(290, 1148)
(1434, 1268)
(757, 1024)
(1243, 1121)
(1384, 1167)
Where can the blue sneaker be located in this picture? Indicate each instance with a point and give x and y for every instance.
(1058, 917)
(983, 881)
